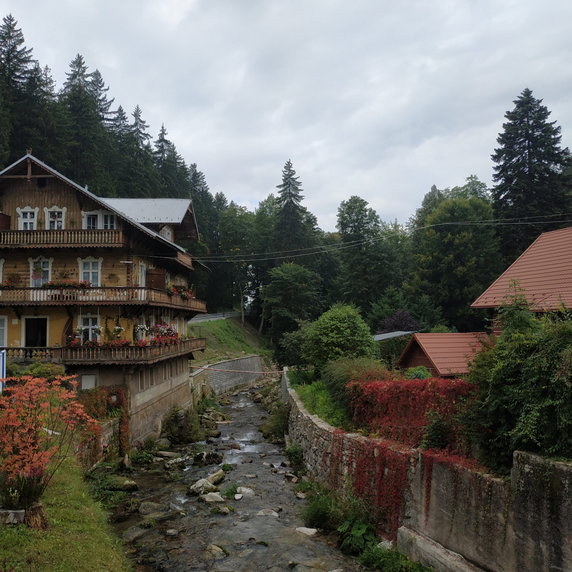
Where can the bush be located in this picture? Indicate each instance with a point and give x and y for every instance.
(437, 433)
(183, 426)
(276, 426)
(322, 511)
(378, 558)
(524, 388)
(318, 401)
(295, 456)
(48, 371)
(340, 332)
(337, 374)
(39, 423)
(418, 372)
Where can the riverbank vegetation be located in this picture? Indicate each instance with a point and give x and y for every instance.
(347, 516)
(516, 395)
(78, 537)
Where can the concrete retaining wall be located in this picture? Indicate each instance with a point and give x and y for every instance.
(453, 518)
(229, 375)
(149, 408)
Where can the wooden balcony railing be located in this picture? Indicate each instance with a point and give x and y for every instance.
(97, 296)
(101, 355)
(61, 238)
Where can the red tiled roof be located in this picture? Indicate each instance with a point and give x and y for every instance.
(543, 274)
(449, 354)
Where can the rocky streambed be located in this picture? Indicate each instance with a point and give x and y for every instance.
(193, 513)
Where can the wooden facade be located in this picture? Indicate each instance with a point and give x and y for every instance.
(83, 285)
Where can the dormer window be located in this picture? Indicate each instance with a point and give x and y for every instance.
(27, 218)
(167, 232)
(55, 218)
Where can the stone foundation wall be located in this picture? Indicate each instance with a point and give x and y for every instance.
(452, 518)
(148, 408)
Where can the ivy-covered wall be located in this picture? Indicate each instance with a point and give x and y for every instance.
(443, 511)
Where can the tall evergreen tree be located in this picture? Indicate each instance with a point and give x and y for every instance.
(86, 134)
(99, 91)
(529, 166)
(15, 58)
(295, 226)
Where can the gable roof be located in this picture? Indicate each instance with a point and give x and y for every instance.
(543, 272)
(448, 354)
(28, 159)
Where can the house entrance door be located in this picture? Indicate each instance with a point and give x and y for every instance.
(36, 332)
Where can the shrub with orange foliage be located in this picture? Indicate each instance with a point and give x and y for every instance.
(40, 422)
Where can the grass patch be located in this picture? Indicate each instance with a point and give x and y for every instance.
(318, 401)
(295, 456)
(230, 491)
(227, 339)
(276, 426)
(78, 539)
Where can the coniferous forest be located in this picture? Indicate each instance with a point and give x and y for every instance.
(275, 263)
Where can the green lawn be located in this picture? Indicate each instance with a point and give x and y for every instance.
(228, 339)
(78, 538)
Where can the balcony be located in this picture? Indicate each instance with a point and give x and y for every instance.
(95, 296)
(61, 238)
(128, 355)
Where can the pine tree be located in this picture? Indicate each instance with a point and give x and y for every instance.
(530, 185)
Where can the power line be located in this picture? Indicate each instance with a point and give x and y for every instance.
(327, 248)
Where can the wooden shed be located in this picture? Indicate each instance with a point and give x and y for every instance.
(444, 355)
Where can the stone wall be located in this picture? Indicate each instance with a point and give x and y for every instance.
(451, 517)
(229, 375)
(149, 408)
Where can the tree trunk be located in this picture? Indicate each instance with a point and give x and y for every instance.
(35, 517)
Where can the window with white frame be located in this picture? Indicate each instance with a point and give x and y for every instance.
(98, 220)
(40, 271)
(167, 232)
(89, 328)
(90, 221)
(142, 274)
(108, 221)
(27, 218)
(55, 218)
(90, 270)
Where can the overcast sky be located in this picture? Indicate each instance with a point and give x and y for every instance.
(375, 98)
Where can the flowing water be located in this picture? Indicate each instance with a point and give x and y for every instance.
(258, 531)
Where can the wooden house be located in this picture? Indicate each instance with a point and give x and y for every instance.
(85, 285)
(444, 355)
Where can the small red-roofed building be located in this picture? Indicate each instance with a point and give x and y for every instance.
(444, 355)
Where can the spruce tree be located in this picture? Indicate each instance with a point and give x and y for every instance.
(15, 59)
(530, 185)
(295, 227)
